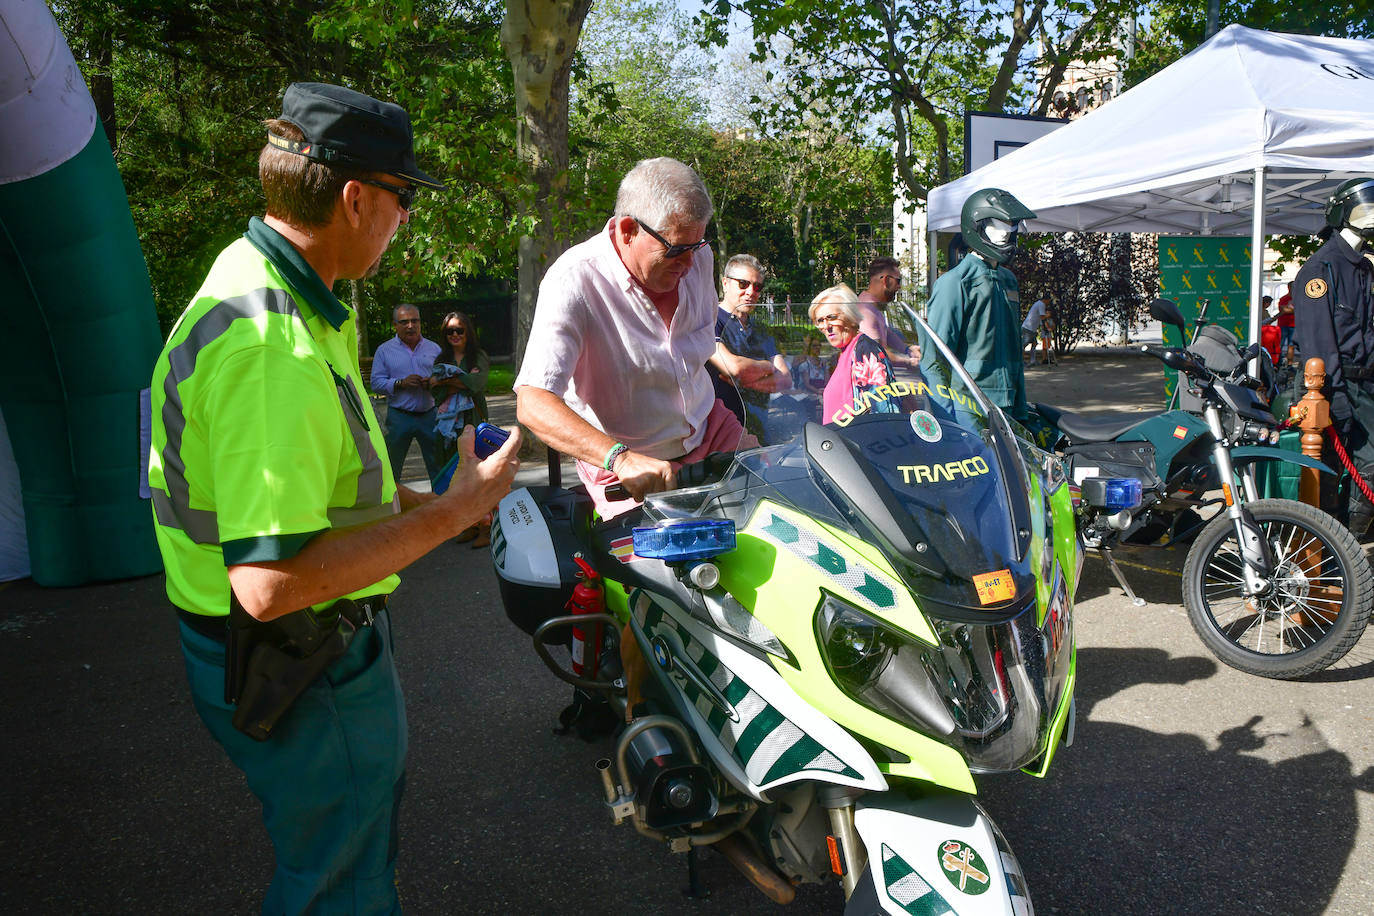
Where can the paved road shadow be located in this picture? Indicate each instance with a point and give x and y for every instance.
(1135, 821)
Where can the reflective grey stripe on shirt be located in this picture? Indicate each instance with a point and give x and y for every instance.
(174, 509)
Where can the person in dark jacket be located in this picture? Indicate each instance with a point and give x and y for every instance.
(1333, 303)
(976, 307)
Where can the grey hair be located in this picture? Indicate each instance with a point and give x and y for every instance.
(841, 296)
(748, 260)
(663, 191)
(396, 312)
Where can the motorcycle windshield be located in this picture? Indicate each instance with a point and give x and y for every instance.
(919, 461)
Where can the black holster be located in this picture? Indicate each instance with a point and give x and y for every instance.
(267, 666)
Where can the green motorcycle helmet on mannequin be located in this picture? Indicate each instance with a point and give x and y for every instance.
(990, 221)
(1352, 207)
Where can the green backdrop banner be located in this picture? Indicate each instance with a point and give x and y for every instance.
(1193, 268)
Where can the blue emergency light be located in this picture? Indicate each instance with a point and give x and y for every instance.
(1122, 493)
(1113, 493)
(689, 539)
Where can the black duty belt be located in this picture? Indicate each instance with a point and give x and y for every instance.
(360, 612)
(412, 413)
(1356, 372)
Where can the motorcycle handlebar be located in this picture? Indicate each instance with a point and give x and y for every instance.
(694, 474)
(1180, 359)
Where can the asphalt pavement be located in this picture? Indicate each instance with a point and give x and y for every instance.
(1190, 787)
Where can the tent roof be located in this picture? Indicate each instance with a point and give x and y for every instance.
(1177, 153)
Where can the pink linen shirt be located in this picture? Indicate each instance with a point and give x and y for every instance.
(599, 344)
(873, 322)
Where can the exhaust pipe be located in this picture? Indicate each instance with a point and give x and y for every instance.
(759, 873)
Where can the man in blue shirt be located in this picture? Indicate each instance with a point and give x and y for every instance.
(401, 370)
(742, 283)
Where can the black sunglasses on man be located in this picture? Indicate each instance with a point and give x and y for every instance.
(672, 251)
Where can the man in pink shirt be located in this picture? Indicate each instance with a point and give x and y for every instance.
(884, 282)
(614, 372)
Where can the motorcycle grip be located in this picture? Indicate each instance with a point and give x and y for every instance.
(712, 467)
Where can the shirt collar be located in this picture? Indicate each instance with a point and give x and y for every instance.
(614, 267)
(1343, 247)
(296, 271)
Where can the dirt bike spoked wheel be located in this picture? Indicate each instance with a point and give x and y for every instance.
(1316, 610)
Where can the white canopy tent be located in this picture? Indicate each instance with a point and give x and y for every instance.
(1248, 115)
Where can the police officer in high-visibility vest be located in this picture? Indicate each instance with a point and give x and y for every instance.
(280, 525)
(1333, 303)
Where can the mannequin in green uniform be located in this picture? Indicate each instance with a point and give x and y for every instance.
(975, 308)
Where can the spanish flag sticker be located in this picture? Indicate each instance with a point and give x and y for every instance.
(994, 586)
(623, 549)
(1180, 432)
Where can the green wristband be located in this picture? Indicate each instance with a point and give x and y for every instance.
(615, 451)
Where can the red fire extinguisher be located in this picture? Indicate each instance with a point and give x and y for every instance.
(587, 598)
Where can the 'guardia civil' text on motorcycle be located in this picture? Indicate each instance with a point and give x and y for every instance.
(837, 634)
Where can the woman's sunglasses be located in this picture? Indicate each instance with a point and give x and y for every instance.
(451, 330)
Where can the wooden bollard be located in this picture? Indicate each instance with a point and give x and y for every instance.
(1312, 415)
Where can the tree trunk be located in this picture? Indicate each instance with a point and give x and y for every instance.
(102, 84)
(539, 38)
(359, 307)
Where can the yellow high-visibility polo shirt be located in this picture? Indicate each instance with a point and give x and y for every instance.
(262, 435)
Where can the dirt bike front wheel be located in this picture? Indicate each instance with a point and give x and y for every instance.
(1316, 609)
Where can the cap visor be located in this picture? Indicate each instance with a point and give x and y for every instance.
(418, 177)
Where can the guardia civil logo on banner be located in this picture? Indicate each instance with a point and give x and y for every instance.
(1192, 269)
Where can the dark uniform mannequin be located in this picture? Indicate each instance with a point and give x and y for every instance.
(1333, 302)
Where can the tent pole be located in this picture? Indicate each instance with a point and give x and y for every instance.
(1256, 264)
(932, 240)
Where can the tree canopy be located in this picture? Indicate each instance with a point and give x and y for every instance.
(183, 90)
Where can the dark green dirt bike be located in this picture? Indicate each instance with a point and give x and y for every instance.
(1273, 587)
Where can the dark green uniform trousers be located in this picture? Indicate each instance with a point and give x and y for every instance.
(329, 778)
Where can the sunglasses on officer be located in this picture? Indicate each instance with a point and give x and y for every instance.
(405, 194)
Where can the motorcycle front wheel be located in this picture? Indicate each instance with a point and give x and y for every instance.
(1316, 609)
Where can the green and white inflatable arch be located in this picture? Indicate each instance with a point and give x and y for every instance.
(80, 329)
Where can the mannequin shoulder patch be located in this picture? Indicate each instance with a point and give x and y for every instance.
(1315, 288)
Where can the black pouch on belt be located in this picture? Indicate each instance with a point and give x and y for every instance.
(269, 665)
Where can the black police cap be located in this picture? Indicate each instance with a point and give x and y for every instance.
(343, 127)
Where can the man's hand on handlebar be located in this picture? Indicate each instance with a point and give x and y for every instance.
(641, 475)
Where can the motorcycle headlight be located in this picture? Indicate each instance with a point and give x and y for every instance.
(856, 647)
(958, 686)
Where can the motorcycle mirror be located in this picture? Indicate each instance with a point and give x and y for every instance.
(1166, 311)
(1178, 359)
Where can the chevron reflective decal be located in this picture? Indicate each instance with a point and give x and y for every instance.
(870, 586)
(768, 745)
(908, 889)
(498, 542)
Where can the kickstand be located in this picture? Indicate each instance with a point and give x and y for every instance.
(1106, 553)
(694, 889)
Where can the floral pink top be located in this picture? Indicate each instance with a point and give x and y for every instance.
(862, 365)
